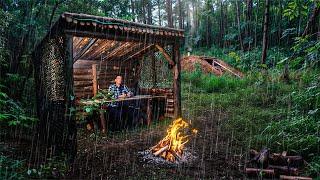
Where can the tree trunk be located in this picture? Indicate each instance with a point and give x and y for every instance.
(221, 23)
(248, 22)
(279, 24)
(133, 10)
(149, 20)
(159, 12)
(239, 26)
(256, 22)
(144, 16)
(265, 33)
(180, 14)
(311, 24)
(169, 13)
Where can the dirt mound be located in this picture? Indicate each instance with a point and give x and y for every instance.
(208, 65)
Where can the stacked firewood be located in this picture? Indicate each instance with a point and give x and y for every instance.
(275, 165)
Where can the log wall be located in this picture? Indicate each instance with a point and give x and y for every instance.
(106, 73)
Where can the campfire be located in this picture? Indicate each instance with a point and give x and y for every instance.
(171, 147)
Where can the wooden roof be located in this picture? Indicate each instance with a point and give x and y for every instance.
(101, 23)
(104, 38)
(104, 49)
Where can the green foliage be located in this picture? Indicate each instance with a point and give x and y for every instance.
(11, 169)
(12, 113)
(16, 169)
(4, 23)
(296, 8)
(306, 52)
(53, 168)
(94, 104)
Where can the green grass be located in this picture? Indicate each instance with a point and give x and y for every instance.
(262, 110)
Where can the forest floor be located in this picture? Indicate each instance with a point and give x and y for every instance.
(117, 155)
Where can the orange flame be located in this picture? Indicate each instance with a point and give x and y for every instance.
(172, 145)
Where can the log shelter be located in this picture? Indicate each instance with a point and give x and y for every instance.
(82, 53)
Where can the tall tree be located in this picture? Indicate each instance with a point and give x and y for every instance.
(248, 29)
(133, 12)
(180, 6)
(169, 13)
(239, 24)
(265, 32)
(221, 31)
(159, 12)
(149, 10)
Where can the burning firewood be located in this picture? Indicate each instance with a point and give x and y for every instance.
(172, 145)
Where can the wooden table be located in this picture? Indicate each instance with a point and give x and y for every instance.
(138, 97)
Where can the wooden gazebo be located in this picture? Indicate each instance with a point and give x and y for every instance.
(83, 52)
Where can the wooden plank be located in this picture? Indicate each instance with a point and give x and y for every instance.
(150, 46)
(165, 54)
(84, 49)
(94, 79)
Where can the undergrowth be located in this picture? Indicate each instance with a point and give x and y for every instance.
(262, 110)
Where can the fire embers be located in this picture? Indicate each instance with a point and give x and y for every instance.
(171, 147)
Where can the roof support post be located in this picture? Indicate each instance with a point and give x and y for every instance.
(71, 134)
(177, 81)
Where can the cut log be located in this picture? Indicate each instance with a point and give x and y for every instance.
(157, 153)
(294, 177)
(82, 77)
(78, 71)
(253, 171)
(292, 161)
(82, 83)
(285, 170)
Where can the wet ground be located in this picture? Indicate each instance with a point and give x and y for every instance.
(116, 155)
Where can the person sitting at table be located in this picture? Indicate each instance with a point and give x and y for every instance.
(118, 111)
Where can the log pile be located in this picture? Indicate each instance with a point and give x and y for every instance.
(275, 165)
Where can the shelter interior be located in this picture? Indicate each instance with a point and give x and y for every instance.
(143, 66)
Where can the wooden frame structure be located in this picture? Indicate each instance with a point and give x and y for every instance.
(80, 43)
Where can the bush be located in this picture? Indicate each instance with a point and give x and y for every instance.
(12, 113)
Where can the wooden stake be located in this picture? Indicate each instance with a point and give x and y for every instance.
(94, 79)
